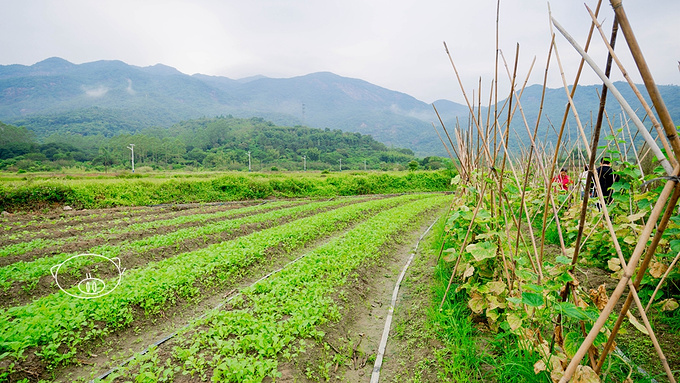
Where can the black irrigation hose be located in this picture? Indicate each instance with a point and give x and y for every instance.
(382, 343)
(375, 376)
(165, 339)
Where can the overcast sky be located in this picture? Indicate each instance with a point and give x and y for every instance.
(396, 44)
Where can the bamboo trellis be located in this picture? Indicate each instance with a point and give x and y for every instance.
(492, 137)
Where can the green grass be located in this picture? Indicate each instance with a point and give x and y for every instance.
(35, 193)
(469, 355)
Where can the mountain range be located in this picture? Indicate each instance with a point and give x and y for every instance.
(110, 97)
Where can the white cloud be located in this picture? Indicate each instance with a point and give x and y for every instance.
(129, 88)
(95, 92)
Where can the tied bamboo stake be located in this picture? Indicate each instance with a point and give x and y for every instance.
(650, 84)
(630, 268)
(629, 111)
(618, 291)
(631, 287)
(564, 121)
(663, 278)
(591, 168)
(638, 279)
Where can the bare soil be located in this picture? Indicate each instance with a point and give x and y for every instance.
(96, 359)
(21, 293)
(67, 223)
(356, 338)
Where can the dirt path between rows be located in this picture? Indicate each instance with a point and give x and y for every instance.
(350, 346)
(121, 345)
(19, 293)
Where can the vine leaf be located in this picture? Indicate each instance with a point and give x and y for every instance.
(639, 326)
(614, 264)
(563, 260)
(450, 254)
(572, 341)
(514, 321)
(599, 296)
(532, 299)
(572, 311)
(477, 303)
(669, 304)
(482, 250)
(635, 217)
(656, 269)
(468, 272)
(496, 287)
(585, 374)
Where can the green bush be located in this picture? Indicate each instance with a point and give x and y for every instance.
(133, 189)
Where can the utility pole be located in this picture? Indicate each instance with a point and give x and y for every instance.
(341, 164)
(249, 169)
(132, 148)
(364, 165)
(303, 114)
(304, 161)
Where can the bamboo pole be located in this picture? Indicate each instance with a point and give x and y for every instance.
(448, 151)
(625, 280)
(464, 244)
(632, 146)
(628, 272)
(652, 89)
(510, 114)
(640, 274)
(591, 159)
(565, 116)
(495, 78)
(663, 278)
(629, 111)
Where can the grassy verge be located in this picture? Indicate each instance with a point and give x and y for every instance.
(468, 353)
(99, 193)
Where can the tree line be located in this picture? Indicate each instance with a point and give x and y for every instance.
(219, 143)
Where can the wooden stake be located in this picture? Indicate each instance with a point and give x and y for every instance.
(652, 89)
(629, 111)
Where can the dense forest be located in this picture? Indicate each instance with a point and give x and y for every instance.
(220, 143)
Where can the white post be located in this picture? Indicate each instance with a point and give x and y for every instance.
(249, 169)
(304, 161)
(132, 148)
(341, 164)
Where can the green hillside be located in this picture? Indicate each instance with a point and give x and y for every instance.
(220, 143)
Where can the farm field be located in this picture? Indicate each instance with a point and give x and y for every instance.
(284, 290)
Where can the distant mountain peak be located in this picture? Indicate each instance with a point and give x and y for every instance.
(248, 79)
(52, 64)
(162, 70)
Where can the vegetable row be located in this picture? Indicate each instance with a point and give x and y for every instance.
(57, 324)
(272, 318)
(30, 271)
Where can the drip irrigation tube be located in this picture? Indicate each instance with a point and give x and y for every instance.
(168, 337)
(375, 376)
(383, 341)
(640, 370)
